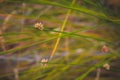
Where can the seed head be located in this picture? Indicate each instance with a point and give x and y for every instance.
(106, 66)
(44, 60)
(39, 26)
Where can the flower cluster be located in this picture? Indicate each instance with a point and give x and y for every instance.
(39, 26)
(44, 61)
(106, 66)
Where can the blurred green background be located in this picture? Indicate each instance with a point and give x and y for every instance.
(87, 25)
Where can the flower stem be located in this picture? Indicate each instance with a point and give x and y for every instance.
(62, 29)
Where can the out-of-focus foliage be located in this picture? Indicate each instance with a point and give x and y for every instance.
(91, 25)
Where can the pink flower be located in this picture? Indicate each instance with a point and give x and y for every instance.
(104, 49)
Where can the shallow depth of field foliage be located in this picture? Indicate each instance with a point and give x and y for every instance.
(78, 38)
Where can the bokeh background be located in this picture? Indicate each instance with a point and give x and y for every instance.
(89, 41)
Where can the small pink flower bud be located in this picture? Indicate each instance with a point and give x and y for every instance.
(105, 49)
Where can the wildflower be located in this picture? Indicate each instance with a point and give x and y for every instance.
(105, 49)
(39, 26)
(44, 61)
(106, 66)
